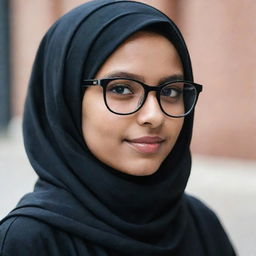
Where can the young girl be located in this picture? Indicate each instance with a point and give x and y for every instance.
(107, 127)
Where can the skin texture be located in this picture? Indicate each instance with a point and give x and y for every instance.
(152, 57)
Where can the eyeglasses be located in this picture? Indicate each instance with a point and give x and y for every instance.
(125, 96)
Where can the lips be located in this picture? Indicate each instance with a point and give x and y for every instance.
(146, 144)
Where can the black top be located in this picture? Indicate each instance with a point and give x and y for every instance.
(21, 236)
(81, 206)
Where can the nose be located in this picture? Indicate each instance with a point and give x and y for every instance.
(150, 114)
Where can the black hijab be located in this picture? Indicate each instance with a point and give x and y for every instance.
(75, 192)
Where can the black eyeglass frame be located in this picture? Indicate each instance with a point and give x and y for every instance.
(147, 88)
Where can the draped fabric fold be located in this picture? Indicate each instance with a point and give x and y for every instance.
(75, 191)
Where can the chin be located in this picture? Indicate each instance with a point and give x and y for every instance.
(141, 170)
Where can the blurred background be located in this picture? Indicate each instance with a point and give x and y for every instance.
(221, 38)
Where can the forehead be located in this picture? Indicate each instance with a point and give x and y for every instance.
(144, 53)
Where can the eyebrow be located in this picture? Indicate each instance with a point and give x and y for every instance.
(171, 78)
(129, 75)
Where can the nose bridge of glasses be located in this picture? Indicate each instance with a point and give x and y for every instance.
(152, 90)
(151, 100)
(148, 88)
(152, 93)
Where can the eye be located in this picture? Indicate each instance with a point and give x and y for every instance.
(171, 92)
(121, 89)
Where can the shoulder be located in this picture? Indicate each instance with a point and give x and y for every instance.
(22, 236)
(202, 213)
(209, 226)
(25, 236)
(198, 207)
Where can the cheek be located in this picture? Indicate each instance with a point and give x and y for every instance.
(102, 130)
(96, 123)
(179, 126)
(174, 126)
(103, 136)
(99, 130)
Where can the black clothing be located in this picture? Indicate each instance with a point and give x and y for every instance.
(80, 206)
(28, 236)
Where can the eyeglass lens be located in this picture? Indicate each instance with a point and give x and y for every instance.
(126, 96)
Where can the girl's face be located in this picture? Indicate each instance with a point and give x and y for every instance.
(135, 144)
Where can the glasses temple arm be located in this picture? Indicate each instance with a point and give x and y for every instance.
(90, 82)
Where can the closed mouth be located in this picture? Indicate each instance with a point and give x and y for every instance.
(146, 144)
(147, 140)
